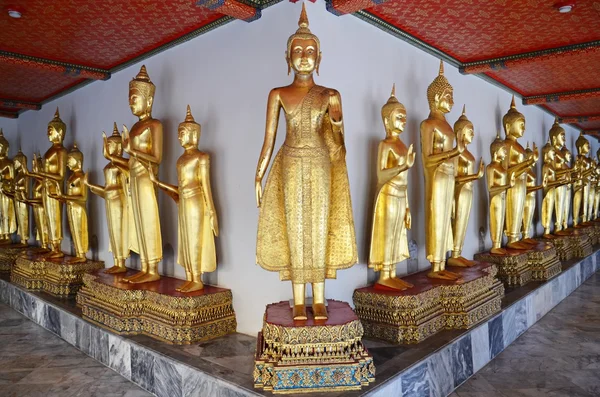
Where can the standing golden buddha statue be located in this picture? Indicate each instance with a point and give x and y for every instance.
(439, 162)
(557, 140)
(597, 196)
(37, 203)
(554, 179)
(52, 177)
(569, 187)
(592, 188)
(115, 201)
(529, 207)
(498, 182)
(8, 222)
(581, 185)
(391, 219)
(76, 200)
(305, 227)
(144, 144)
(463, 190)
(518, 161)
(21, 194)
(197, 218)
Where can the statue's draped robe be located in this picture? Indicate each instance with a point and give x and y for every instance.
(306, 228)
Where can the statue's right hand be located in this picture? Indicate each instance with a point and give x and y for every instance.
(258, 189)
(410, 156)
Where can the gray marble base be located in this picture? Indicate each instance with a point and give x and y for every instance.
(223, 367)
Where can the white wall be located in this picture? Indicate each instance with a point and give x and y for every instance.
(226, 76)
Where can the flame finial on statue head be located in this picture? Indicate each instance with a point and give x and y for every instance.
(58, 124)
(303, 32)
(391, 105)
(190, 124)
(462, 122)
(438, 87)
(512, 116)
(115, 130)
(143, 84)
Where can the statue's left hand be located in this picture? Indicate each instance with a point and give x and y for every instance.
(481, 168)
(335, 107)
(408, 219)
(214, 224)
(258, 190)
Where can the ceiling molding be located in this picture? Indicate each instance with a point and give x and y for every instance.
(562, 96)
(17, 104)
(506, 62)
(233, 8)
(579, 119)
(9, 115)
(343, 7)
(66, 68)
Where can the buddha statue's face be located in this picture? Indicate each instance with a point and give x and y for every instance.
(17, 164)
(585, 149)
(139, 104)
(396, 121)
(550, 156)
(467, 134)
(72, 163)
(516, 128)
(561, 139)
(304, 57)
(115, 148)
(568, 156)
(187, 137)
(500, 154)
(54, 135)
(445, 101)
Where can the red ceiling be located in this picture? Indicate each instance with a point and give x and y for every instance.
(101, 34)
(590, 125)
(574, 108)
(471, 30)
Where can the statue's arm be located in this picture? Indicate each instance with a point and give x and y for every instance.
(96, 189)
(207, 193)
(273, 109)
(155, 155)
(436, 159)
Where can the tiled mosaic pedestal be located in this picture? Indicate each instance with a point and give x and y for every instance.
(59, 277)
(412, 315)
(513, 266)
(308, 356)
(156, 309)
(10, 252)
(580, 238)
(543, 261)
(563, 244)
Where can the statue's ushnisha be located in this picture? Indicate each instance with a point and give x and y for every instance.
(305, 228)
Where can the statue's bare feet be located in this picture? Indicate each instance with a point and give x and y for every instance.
(444, 275)
(133, 277)
(115, 269)
(460, 262)
(549, 236)
(192, 286)
(529, 241)
(146, 278)
(395, 283)
(498, 251)
(54, 255)
(299, 312)
(183, 286)
(519, 245)
(320, 311)
(76, 260)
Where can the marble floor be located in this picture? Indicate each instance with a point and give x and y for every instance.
(34, 362)
(558, 356)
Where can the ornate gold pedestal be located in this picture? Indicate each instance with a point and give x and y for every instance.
(9, 253)
(543, 261)
(513, 267)
(58, 277)
(593, 231)
(582, 243)
(564, 246)
(310, 356)
(156, 309)
(412, 315)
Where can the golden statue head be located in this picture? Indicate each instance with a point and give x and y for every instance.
(75, 158)
(303, 53)
(20, 160)
(557, 134)
(582, 144)
(56, 129)
(463, 128)
(498, 149)
(115, 142)
(393, 114)
(440, 93)
(189, 130)
(141, 94)
(548, 152)
(3, 144)
(513, 121)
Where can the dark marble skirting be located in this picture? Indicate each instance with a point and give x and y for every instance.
(223, 367)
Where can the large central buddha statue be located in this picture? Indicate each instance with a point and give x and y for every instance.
(439, 163)
(305, 226)
(518, 161)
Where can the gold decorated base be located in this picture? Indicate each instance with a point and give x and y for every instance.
(156, 309)
(311, 355)
(412, 315)
(543, 261)
(513, 266)
(581, 241)
(564, 246)
(59, 277)
(9, 253)
(592, 230)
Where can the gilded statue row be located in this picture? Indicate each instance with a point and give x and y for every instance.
(306, 227)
